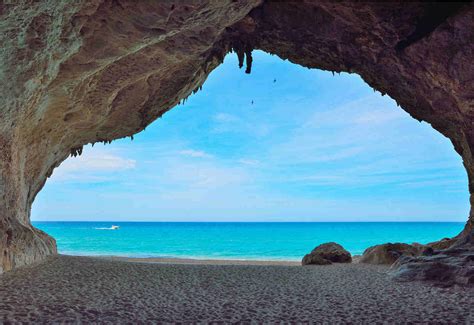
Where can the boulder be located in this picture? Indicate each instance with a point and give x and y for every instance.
(327, 253)
(314, 259)
(388, 253)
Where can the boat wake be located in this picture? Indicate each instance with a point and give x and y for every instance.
(110, 228)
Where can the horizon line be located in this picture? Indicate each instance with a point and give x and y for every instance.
(255, 221)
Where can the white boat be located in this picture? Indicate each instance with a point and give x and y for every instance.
(114, 227)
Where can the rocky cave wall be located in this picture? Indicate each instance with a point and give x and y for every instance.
(79, 72)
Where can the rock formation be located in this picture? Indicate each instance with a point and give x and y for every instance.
(388, 253)
(314, 259)
(442, 244)
(87, 71)
(327, 253)
(448, 267)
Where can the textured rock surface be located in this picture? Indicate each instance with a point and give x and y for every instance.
(327, 253)
(442, 244)
(314, 259)
(389, 253)
(453, 266)
(81, 72)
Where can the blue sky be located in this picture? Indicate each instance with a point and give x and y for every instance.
(311, 147)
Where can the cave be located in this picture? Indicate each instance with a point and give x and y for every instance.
(94, 71)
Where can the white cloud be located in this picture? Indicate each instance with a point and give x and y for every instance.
(224, 117)
(204, 176)
(365, 110)
(195, 153)
(92, 166)
(339, 154)
(379, 116)
(249, 162)
(228, 123)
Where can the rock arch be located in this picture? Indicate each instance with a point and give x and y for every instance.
(89, 71)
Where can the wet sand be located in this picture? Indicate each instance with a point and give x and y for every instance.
(115, 290)
(166, 260)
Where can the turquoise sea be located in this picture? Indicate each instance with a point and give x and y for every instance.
(229, 240)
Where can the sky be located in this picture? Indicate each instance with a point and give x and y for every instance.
(284, 143)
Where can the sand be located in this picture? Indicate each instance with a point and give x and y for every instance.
(86, 289)
(165, 260)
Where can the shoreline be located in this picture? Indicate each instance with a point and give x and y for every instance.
(193, 261)
(199, 261)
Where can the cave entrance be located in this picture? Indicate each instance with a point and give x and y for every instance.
(283, 144)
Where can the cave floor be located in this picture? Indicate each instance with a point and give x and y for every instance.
(85, 289)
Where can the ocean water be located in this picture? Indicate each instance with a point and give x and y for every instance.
(265, 241)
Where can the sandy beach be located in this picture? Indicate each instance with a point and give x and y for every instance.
(87, 289)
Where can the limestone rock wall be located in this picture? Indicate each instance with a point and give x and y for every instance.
(79, 72)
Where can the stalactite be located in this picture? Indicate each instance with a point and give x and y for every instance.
(248, 55)
(240, 57)
(76, 151)
(243, 49)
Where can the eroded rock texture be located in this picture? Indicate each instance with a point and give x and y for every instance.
(327, 253)
(388, 253)
(78, 72)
